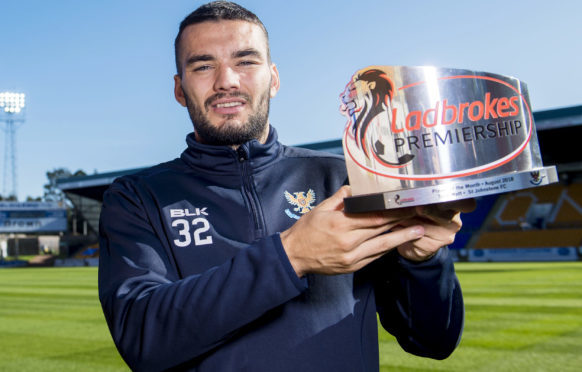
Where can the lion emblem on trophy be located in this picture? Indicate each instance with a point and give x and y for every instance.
(365, 98)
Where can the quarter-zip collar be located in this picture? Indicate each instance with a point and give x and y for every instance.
(225, 160)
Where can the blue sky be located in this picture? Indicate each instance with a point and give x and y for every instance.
(98, 75)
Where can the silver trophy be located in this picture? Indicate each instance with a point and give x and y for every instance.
(422, 135)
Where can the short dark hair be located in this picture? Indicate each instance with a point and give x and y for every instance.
(217, 11)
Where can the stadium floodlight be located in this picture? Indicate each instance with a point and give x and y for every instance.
(11, 113)
(11, 103)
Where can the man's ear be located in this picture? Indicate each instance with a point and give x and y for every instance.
(275, 82)
(178, 91)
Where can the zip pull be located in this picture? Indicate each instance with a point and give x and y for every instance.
(242, 154)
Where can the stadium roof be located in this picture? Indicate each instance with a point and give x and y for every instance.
(92, 186)
(558, 118)
(554, 128)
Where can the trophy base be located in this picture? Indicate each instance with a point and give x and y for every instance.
(460, 189)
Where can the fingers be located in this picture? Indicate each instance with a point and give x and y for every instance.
(381, 218)
(428, 245)
(433, 213)
(443, 229)
(378, 246)
(446, 213)
(414, 252)
(446, 219)
(355, 221)
(367, 232)
(463, 205)
(438, 232)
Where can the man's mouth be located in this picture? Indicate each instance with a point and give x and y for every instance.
(228, 104)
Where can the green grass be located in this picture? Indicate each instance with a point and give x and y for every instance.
(519, 316)
(51, 320)
(19, 258)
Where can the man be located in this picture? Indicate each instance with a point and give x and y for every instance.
(204, 267)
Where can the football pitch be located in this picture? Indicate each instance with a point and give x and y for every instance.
(519, 316)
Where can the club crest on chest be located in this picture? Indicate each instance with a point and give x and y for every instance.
(301, 201)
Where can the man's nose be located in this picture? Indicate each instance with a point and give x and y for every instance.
(226, 79)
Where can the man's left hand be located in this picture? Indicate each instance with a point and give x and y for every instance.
(441, 222)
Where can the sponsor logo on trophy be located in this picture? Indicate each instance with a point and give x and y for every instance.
(421, 135)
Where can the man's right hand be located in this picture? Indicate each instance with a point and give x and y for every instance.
(329, 241)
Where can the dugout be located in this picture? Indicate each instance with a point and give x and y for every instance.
(502, 228)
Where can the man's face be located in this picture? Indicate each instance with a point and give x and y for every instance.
(227, 81)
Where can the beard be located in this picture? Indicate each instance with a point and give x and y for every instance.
(229, 134)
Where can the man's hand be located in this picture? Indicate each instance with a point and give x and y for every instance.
(328, 241)
(440, 222)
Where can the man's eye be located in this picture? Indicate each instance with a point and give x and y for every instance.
(247, 63)
(202, 68)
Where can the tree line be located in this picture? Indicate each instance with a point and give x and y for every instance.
(51, 192)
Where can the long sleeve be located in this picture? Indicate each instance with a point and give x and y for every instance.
(421, 304)
(159, 320)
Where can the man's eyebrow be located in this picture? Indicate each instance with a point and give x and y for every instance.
(238, 54)
(198, 58)
(246, 53)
